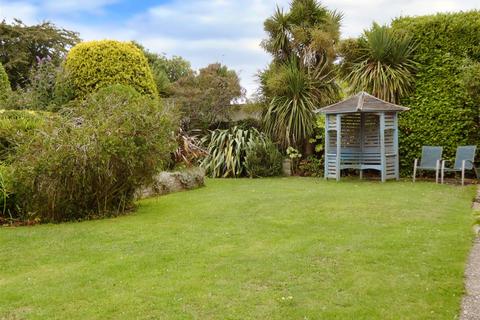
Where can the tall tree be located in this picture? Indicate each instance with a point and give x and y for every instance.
(301, 76)
(204, 97)
(21, 46)
(166, 70)
(380, 62)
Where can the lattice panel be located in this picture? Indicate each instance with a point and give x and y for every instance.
(371, 131)
(351, 131)
(332, 121)
(390, 120)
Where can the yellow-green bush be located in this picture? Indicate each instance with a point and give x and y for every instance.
(4, 85)
(97, 64)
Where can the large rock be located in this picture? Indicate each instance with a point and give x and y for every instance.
(168, 182)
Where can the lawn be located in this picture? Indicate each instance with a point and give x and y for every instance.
(286, 248)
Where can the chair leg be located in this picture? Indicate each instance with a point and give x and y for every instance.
(415, 169)
(437, 169)
(442, 172)
(463, 172)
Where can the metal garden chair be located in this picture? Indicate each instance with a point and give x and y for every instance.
(464, 160)
(431, 160)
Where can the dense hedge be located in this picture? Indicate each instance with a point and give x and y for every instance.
(442, 111)
(96, 64)
(4, 85)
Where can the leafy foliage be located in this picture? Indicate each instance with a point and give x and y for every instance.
(471, 79)
(443, 111)
(204, 98)
(165, 70)
(5, 193)
(262, 159)
(227, 150)
(16, 127)
(22, 45)
(311, 167)
(379, 62)
(96, 64)
(4, 85)
(91, 163)
(40, 93)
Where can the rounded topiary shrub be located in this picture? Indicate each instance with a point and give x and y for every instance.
(97, 64)
(4, 85)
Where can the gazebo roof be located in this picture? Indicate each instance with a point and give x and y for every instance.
(362, 102)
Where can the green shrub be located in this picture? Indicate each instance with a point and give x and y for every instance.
(263, 159)
(6, 204)
(96, 64)
(42, 85)
(16, 127)
(90, 162)
(311, 167)
(443, 111)
(4, 85)
(227, 150)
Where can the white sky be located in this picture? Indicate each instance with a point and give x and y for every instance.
(207, 31)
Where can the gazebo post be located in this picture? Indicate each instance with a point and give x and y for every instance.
(339, 146)
(382, 147)
(395, 147)
(362, 142)
(327, 148)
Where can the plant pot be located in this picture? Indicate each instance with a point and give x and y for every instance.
(287, 167)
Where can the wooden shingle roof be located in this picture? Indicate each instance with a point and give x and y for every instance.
(362, 102)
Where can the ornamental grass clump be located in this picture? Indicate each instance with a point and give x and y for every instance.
(90, 162)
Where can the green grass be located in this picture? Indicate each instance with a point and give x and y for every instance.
(287, 248)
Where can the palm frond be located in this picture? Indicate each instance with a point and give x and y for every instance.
(381, 63)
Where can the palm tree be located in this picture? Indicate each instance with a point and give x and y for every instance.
(297, 92)
(308, 31)
(300, 77)
(380, 62)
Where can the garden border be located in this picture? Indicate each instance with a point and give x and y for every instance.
(471, 300)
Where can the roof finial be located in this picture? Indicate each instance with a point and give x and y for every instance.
(360, 101)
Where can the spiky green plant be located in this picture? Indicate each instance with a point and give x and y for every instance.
(227, 150)
(308, 31)
(379, 62)
(297, 92)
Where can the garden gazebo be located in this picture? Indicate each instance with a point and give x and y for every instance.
(361, 133)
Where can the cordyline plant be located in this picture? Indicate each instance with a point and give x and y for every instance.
(298, 91)
(379, 62)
